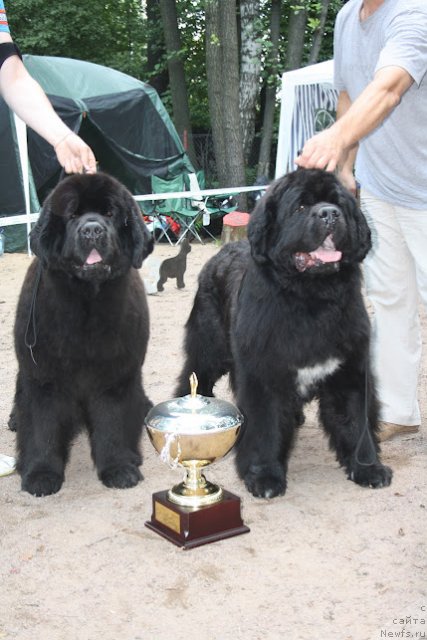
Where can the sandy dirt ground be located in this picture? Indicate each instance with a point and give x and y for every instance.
(329, 560)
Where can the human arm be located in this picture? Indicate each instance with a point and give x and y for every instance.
(333, 147)
(28, 100)
(346, 165)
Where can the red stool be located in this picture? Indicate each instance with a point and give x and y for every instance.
(234, 226)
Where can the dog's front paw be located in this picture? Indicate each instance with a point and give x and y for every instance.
(375, 475)
(265, 481)
(42, 483)
(121, 476)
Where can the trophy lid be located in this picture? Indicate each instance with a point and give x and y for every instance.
(193, 413)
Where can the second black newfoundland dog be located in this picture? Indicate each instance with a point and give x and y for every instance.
(81, 333)
(284, 315)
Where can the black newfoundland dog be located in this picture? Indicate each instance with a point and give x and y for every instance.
(81, 333)
(283, 314)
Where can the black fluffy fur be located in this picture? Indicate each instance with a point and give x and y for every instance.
(89, 326)
(261, 319)
(175, 267)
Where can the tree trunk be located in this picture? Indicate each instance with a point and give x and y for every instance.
(270, 94)
(250, 70)
(296, 37)
(222, 69)
(231, 110)
(318, 34)
(214, 76)
(155, 47)
(178, 85)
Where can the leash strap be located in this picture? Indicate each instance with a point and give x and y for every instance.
(366, 436)
(31, 331)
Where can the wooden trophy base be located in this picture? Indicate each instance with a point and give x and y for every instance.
(188, 527)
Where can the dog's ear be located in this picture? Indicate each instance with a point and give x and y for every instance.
(47, 234)
(364, 232)
(259, 228)
(142, 240)
(360, 237)
(262, 225)
(47, 237)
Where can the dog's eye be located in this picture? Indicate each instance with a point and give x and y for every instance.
(109, 214)
(300, 208)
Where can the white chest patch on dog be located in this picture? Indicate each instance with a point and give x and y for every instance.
(309, 376)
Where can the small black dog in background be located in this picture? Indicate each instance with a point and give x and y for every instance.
(175, 267)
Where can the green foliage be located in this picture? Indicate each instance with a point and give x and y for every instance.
(100, 31)
(327, 50)
(116, 34)
(215, 40)
(192, 30)
(313, 9)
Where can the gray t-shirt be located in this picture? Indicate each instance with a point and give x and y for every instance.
(392, 159)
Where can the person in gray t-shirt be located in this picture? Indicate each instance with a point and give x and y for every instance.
(380, 62)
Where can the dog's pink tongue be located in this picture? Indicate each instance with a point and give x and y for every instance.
(93, 257)
(327, 252)
(326, 255)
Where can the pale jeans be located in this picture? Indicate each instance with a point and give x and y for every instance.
(396, 280)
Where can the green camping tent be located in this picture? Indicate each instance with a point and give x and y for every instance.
(121, 118)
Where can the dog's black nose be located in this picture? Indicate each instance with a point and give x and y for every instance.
(91, 230)
(329, 214)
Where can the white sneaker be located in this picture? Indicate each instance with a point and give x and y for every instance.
(7, 465)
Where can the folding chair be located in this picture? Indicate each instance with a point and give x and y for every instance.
(190, 213)
(156, 223)
(163, 211)
(207, 208)
(181, 211)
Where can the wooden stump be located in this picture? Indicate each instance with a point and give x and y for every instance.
(234, 226)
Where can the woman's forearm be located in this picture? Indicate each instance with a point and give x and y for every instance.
(28, 100)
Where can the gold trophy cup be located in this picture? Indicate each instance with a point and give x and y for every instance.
(193, 432)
